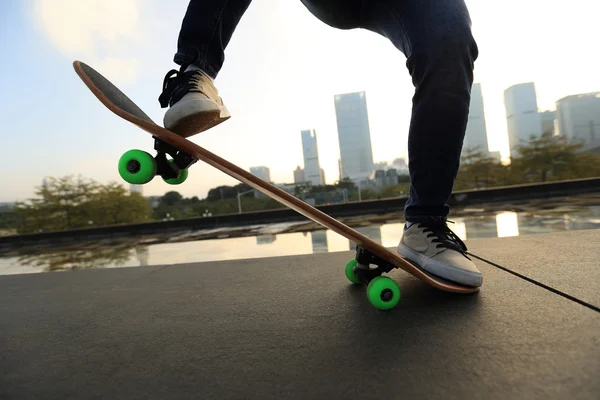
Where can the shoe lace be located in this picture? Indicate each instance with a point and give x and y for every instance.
(443, 236)
(174, 79)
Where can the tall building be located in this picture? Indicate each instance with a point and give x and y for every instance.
(579, 118)
(354, 135)
(312, 169)
(476, 133)
(522, 117)
(547, 119)
(262, 172)
(136, 189)
(299, 175)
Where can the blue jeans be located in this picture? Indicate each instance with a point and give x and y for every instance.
(434, 35)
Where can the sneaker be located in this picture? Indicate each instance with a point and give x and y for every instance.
(437, 250)
(193, 101)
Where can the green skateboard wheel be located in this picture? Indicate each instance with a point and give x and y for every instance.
(180, 179)
(383, 293)
(137, 167)
(350, 271)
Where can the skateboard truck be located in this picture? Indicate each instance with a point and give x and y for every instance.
(166, 169)
(365, 258)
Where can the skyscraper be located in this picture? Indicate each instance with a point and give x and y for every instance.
(579, 118)
(522, 117)
(136, 189)
(262, 172)
(312, 169)
(547, 119)
(476, 133)
(354, 135)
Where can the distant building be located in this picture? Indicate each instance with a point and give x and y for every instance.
(399, 164)
(288, 187)
(383, 178)
(310, 150)
(496, 155)
(154, 201)
(136, 189)
(299, 175)
(547, 119)
(261, 172)
(354, 135)
(578, 118)
(522, 117)
(380, 165)
(476, 132)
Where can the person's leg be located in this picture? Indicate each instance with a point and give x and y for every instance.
(193, 101)
(435, 36)
(337, 14)
(205, 32)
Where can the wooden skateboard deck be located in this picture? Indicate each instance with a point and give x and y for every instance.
(120, 104)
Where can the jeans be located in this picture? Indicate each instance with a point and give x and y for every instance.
(434, 35)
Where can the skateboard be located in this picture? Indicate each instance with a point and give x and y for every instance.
(371, 261)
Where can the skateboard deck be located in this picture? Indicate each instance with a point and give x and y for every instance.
(368, 251)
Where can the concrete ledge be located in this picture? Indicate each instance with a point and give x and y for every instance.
(290, 328)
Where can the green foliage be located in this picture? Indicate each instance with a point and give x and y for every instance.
(478, 171)
(541, 159)
(68, 203)
(8, 218)
(226, 192)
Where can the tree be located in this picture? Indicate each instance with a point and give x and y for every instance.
(171, 198)
(58, 205)
(68, 203)
(477, 170)
(226, 192)
(113, 205)
(547, 157)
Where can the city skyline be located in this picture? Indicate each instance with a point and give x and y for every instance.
(132, 43)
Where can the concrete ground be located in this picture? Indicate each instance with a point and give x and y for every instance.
(294, 328)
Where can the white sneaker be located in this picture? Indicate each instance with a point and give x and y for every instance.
(437, 250)
(194, 102)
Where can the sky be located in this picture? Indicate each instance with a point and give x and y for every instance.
(282, 69)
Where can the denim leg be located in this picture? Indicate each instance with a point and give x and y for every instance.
(435, 36)
(340, 14)
(206, 30)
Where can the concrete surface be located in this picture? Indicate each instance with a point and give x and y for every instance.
(568, 262)
(290, 328)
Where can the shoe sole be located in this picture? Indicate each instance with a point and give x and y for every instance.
(197, 123)
(447, 272)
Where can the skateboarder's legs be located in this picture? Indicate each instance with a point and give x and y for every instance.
(435, 36)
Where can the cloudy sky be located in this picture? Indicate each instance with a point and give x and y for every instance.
(282, 69)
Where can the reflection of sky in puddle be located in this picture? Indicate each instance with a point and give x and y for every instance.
(503, 224)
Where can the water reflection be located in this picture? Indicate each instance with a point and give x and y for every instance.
(111, 254)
